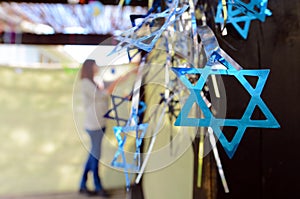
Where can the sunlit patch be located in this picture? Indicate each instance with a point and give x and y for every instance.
(65, 170)
(48, 148)
(20, 137)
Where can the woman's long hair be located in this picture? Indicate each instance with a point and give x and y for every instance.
(87, 70)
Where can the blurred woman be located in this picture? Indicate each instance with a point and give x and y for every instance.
(95, 99)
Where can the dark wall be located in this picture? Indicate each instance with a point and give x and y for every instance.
(267, 160)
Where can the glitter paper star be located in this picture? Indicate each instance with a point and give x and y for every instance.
(241, 14)
(134, 166)
(146, 43)
(172, 111)
(209, 120)
(257, 8)
(114, 110)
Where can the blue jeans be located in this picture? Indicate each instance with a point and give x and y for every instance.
(92, 163)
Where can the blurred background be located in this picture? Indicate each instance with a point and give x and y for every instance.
(43, 144)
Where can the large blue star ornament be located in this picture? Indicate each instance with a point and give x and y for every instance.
(209, 120)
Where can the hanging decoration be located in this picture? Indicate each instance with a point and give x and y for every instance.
(133, 125)
(134, 166)
(240, 14)
(146, 43)
(219, 63)
(181, 17)
(113, 113)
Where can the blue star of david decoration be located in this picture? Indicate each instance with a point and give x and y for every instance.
(209, 120)
(156, 8)
(114, 109)
(240, 12)
(172, 111)
(129, 39)
(256, 8)
(134, 166)
(115, 105)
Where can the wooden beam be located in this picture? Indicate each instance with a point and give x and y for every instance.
(57, 39)
(105, 2)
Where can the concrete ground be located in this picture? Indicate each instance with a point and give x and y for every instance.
(115, 194)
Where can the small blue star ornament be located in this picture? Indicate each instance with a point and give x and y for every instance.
(240, 14)
(121, 134)
(115, 116)
(134, 124)
(217, 57)
(129, 38)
